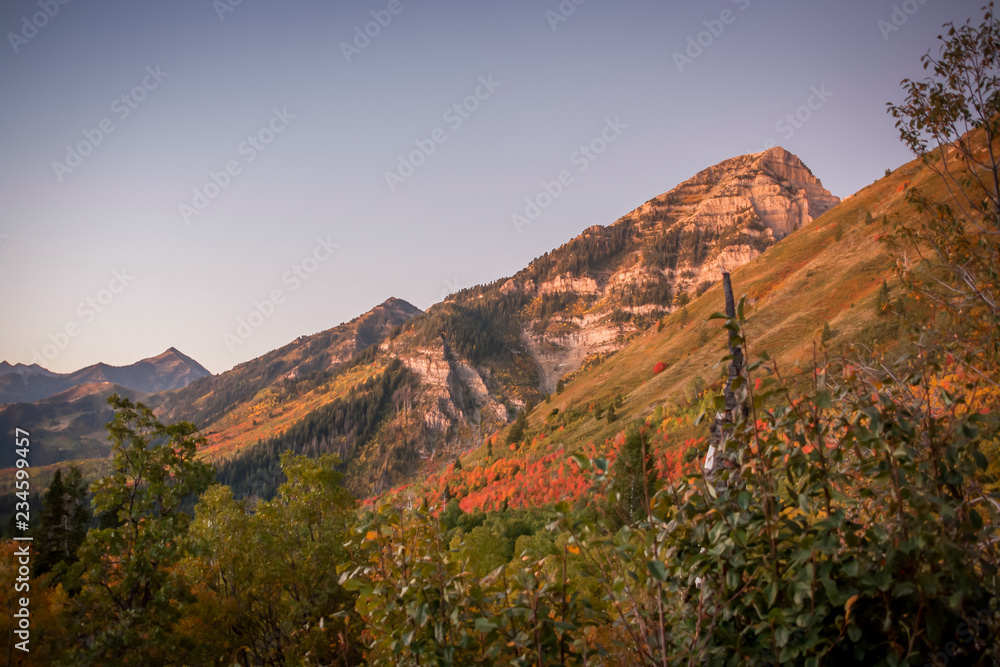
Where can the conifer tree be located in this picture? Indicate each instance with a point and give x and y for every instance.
(517, 430)
(62, 521)
(629, 492)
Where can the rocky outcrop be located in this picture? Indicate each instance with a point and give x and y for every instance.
(558, 355)
(727, 260)
(453, 393)
(568, 283)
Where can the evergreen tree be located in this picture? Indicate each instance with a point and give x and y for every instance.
(611, 414)
(517, 430)
(62, 521)
(633, 477)
(51, 529)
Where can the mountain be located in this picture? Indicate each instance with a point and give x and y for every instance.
(66, 426)
(167, 371)
(398, 391)
(440, 380)
(589, 295)
(816, 294)
(289, 372)
(827, 274)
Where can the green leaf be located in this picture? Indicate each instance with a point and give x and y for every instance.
(485, 625)
(771, 593)
(743, 500)
(903, 589)
(357, 585)
(823, 400)
(582, 461)
(657, 570)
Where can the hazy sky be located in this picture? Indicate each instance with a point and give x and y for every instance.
(168, 169)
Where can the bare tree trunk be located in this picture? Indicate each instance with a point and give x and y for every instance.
(714, 461)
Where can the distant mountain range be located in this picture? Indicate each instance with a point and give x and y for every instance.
(171, 370)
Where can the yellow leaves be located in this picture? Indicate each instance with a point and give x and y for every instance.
(371, 536)
(572, 548)
(848, 606)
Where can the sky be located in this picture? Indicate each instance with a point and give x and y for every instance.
(223, 176)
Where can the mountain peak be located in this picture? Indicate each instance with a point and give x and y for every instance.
(171, 353)
(768, 192)
(173, 361)
(779, 151)
(394, 303)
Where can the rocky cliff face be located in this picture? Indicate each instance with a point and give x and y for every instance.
(454, 397)
(613, 280)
